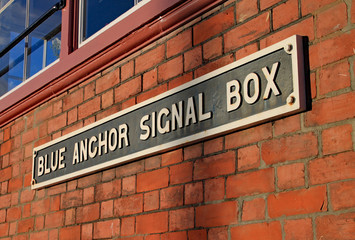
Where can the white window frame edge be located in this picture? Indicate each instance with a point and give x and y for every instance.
(108, 26)
(28, 80)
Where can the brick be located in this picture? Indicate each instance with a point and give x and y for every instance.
(152, 223)
(309, 6)
(180, 43)
(13, 214)
(280, 18)
(342, 47)
(337, 139)
(302, 28)
(129, 185)
(128, 205)
(279, 150)
(332, 168)
(6, 147)
(43, 115)
(248, 136)
(171, 197)
(335, 227)
(287, 125)
(181, 219)
(247, 32)
(248, 158)
(178, 81)
(197, 234)
(128, 89)
(246, 9)
(151, 201)
(214, 189)
(153, 180)
(40, 207)
(212, 48)
(25, 225)
(152, 162)
(218, 233)
(86, 231)
(298, 229)
(3, 215)
(150, 59)
(71, 199)
(57, 123)
(88, 213)
(246, 51)
(17, 128)
(150, 79)
(214, 145)
(152, 93)
(89, 108)
(73, 99)
(127, 70)
(192, 58)
(72, 116)
(130, 169)
(39, 235)
(211, 66)
(89, 180)
(193, 193)
(214, 166)
(253, 210)
(89, 91)
(69, 233)
(27, 196)
(107, 229)
(54, 220)
(331, 110)
(334, 78)
(331, 20)
(193, 151)
(214, 215)
(4, 229)
(108, 190)
(174, 236)
(290, 176)
(5, 174)
(297, 202)
(172, 157)
(107, 99)
(213, 26)
(170, 69)
(69, 217)
(106, 209)
(269, 231)
(128, 226)
(342, 195)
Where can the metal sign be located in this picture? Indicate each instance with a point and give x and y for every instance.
(264, 86)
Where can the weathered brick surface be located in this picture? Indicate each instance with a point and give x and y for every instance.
(290, 178)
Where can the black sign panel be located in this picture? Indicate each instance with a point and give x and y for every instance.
(261, 87)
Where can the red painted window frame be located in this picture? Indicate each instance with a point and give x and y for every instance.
(153, 20)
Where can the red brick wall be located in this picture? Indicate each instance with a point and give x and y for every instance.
(293, 178)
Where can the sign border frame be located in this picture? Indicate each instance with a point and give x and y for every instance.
(296, 102)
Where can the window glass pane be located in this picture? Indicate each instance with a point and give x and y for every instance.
(98, 13)
(40, 7)
(39, 49)
(12, 23)
(41, 42)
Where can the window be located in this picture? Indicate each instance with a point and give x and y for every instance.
(55, 42)
(97, 14)
(39, 48)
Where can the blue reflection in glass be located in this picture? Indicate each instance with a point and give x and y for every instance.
(98, 13)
